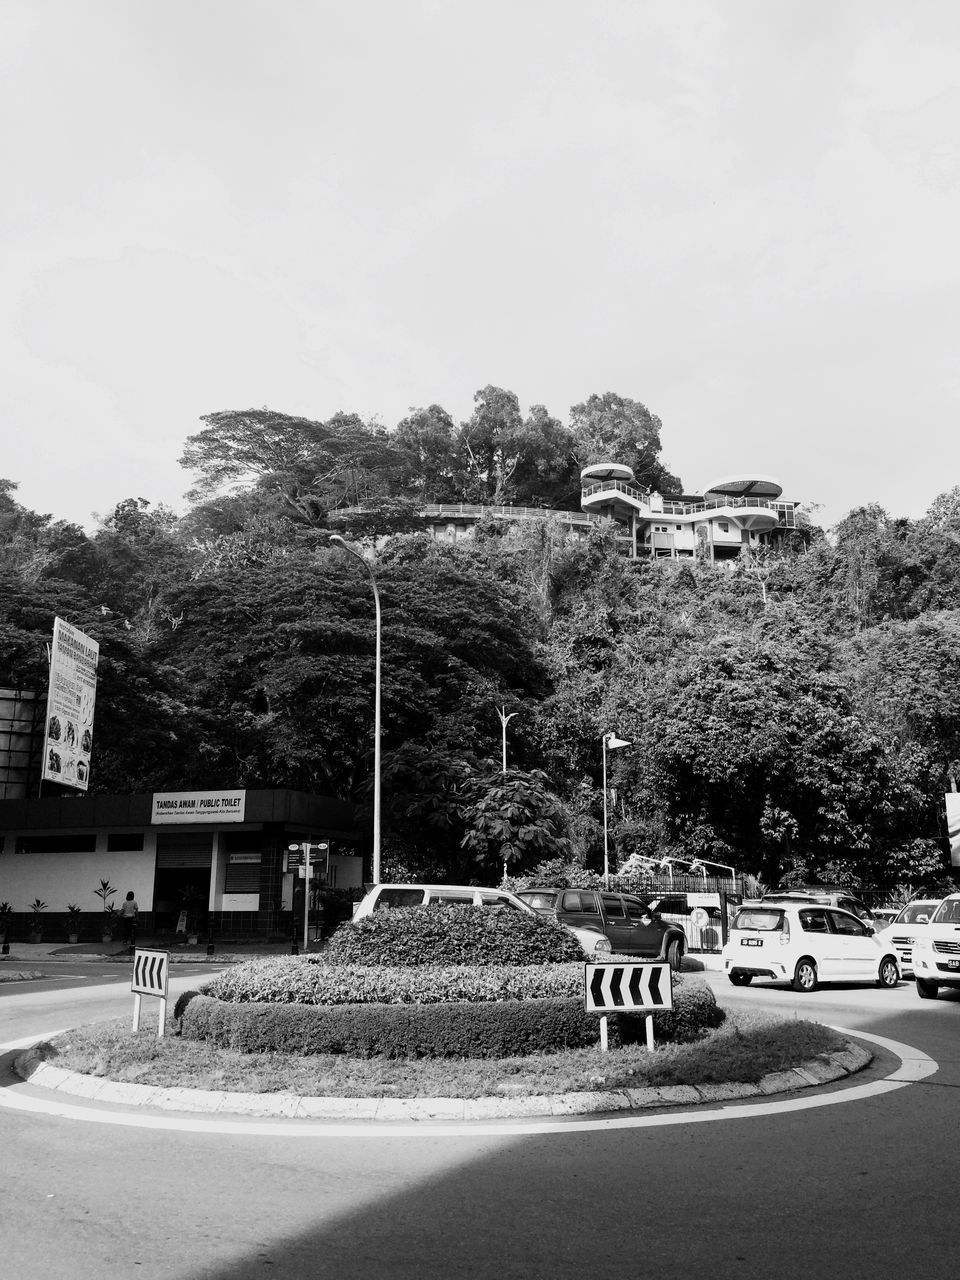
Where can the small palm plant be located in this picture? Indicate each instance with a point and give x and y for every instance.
(36, 927)
(105, 893)
(73, 920)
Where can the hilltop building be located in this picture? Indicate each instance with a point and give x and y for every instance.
(732, 517)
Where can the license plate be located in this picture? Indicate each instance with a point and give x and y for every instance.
(953, 964)
(751, 942)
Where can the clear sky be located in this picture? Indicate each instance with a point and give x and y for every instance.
(744, 213)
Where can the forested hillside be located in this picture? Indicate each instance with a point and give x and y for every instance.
(796, 715)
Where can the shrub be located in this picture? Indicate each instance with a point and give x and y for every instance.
(311, 980)
(422, 1012)
(492, 1029)
(455, 934)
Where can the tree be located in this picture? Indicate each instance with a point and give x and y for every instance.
(428, 438)
(611, 428)
(513, 821)
(490, 445)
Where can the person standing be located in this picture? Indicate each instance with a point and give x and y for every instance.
(128, 917)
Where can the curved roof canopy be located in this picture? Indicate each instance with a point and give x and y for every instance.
(745, 485)
(607, 471)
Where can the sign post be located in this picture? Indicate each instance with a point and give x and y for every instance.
(310, 853)
(627, 988)
(151, 971)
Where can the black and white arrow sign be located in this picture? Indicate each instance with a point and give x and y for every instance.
(613, 988)
(150, 970)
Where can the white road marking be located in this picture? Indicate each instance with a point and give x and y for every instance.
(914, 1065)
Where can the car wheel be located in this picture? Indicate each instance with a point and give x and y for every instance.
(741, 979)
(889, 974)
(675, 954)
(926, 990)
(805, 975)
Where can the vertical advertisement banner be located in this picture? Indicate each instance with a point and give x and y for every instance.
(71, 695)
(953, 826)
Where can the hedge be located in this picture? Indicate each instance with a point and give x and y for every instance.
(464, 1029)
(312, 980)
(452, 934)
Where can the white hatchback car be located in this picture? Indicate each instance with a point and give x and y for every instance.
(805, 944)
(383, 896)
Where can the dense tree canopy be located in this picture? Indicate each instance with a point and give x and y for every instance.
(797, 717)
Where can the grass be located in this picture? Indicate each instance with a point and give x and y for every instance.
(744, 1049)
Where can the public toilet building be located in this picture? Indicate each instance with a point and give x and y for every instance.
(221, 857)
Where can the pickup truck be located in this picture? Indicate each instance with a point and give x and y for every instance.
(632, 927)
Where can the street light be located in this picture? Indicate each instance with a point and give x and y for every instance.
(610, 743)
(504, 718)
(335, 537)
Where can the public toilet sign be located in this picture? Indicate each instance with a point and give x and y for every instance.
(627, 988)
(198, 806)
(151, 970)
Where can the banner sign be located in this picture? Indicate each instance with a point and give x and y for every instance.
(198, 806)
(71, 696)
(953, 826)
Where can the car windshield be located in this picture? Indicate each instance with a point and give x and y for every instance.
(915, 913)
(765, 921)
(948, 912)
(539, 899)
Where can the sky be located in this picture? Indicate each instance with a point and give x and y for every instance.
(743, 213)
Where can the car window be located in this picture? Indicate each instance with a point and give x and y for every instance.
(857, 908)
(613, 907)
(399, 898)
(814, 920)
(450, 896)
(539, 899)
(635, 908)
(583, 902)
(498, 900)
(843, 923)
(768, 921)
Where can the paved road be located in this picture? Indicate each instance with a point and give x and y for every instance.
(858, 1189)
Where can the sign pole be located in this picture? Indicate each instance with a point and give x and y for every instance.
(136, 1011)
(603, 1033)
(306, 895)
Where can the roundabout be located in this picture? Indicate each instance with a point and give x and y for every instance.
(45, 1089)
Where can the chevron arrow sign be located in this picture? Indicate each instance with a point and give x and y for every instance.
(622, 988)
(150, 970)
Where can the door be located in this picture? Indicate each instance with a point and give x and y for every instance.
(617, 927)
(819, 941)
(858, 952)
(646, 932)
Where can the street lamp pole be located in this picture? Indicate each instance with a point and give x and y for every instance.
(502, 713)
(610, 743)
(335, 537)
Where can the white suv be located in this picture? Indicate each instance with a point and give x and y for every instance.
(383, 896)
(936, 950)
(805, 944)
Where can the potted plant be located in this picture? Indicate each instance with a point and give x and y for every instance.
(73, 922)
(105, 892)
(36, 924)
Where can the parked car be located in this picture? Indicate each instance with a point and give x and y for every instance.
(381, 897)
(903, 929)
(936, 950)
(805, 944)
(633, 928)
(699, 914)
(884, 916)
(827, 898)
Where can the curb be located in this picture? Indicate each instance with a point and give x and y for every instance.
(819, 1071)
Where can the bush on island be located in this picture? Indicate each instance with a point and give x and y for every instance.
(455, 934)
(461, 1012)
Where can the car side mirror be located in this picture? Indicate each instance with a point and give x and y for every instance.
(870, 929)
(922, 919)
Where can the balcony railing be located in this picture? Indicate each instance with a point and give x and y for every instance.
(785, 511)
